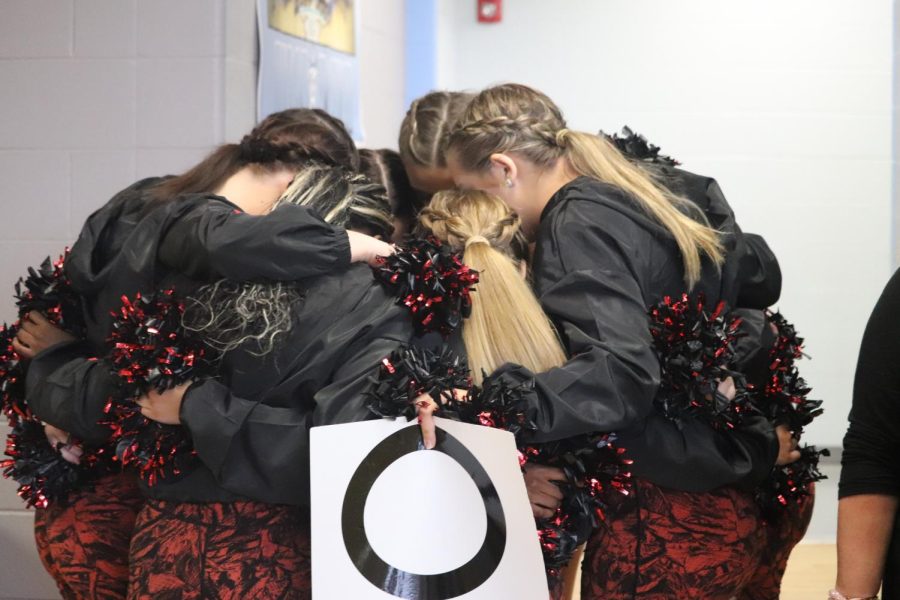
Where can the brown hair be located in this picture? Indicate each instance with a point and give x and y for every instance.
(427, 125)
(286, 139)
(385, 168)
(516, 118)
(507, 323)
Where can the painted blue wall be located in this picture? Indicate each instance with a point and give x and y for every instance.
(421, 48)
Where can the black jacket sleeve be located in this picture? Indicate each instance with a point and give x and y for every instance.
(262, 451)
(68, 389)
(218, 240)
(751, 351)
(752, 274)
(597, 391)
(872, 442)
(759, 275)
(612, 376)
(693, 457)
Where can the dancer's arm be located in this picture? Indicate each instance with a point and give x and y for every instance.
(291, 243)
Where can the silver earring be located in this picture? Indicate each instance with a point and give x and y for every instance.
(509, 182)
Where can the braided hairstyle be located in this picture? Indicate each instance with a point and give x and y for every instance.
(385, 167)
(288, 139)
(427, 125)
(231, 315)
(514, 118)
(488, 234)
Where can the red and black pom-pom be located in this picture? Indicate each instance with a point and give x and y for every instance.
(152, 351)
(790, 483)
(500, 404)
(783, 398)
(43, 475)
(595, 468)
(432, 281)
(12, 379)
(695, 349)
(636, 147)
(410, 372)
(47, 290)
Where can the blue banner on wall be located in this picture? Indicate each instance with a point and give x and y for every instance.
(308, 58)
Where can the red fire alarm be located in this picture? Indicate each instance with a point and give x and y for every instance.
(490, 11)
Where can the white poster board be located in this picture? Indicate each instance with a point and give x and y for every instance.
(391, 520)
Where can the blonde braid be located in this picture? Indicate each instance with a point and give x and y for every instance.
(517, 119)
(427, 125)
(456, 228)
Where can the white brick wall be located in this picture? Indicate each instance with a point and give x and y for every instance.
(95, 94)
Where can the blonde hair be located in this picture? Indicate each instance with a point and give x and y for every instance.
(345, 198)
(507, 324)
(427, 125)
(516, 118)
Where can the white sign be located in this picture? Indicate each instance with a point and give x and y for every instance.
(392, 520)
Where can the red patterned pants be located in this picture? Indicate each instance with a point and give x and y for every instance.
(83, 542)
(667, 545)
(235, 550)
(782, 535)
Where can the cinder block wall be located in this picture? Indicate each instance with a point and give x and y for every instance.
(93, 95)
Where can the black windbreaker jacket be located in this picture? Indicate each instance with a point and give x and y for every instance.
(600, 263)
(251, 427)
(124, 248)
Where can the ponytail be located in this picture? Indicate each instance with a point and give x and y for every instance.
(495, 333)
(507, 324)
(516, 118)
(596, 157)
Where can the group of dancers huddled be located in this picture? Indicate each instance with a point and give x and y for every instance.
(578, 290)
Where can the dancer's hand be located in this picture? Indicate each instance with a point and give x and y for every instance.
(36, 334)
(365, 248)
(543, 493)
(426, 407)
(164, 407)
(787, 446)
(727, 388)
(62, 441)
